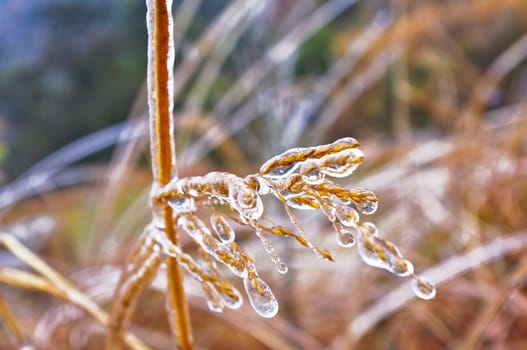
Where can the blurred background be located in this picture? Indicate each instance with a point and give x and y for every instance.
(435, 91)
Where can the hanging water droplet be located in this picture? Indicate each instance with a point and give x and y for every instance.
(347, 215)
(222, 228)
(182, 205)
(423, 289)
(345, 238)
(261, 297)
(282, 267)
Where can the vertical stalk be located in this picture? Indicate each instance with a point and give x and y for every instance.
(160, 102)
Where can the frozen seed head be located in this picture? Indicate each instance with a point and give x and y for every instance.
(300, 178)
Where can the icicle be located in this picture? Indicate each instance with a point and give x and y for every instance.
(280, 266)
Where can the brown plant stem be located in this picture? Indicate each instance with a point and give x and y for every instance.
(160, 92)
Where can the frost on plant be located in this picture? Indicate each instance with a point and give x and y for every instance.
(300, 179)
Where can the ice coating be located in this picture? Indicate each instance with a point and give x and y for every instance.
(364, 200)
(222, 228)
(246, 201)
(380, 253)
(341, 164)
(182, 205)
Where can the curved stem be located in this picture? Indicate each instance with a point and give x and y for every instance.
(160, 101)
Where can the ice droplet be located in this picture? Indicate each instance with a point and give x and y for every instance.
(222, 228)
(231, 301)
(213, 300)
(261, 297)
(345, 238)
(367, 207)
(347, 216)
(282, 267)
(182, 205)
(423, 289)
(191, 228)
(214, 305)
(365, 200)
(377, 252)
(246, 201)
(402, 267)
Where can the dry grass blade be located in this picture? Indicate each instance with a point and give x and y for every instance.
(489, 313)
(10, 321)
(444, 271)
(54, 284)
